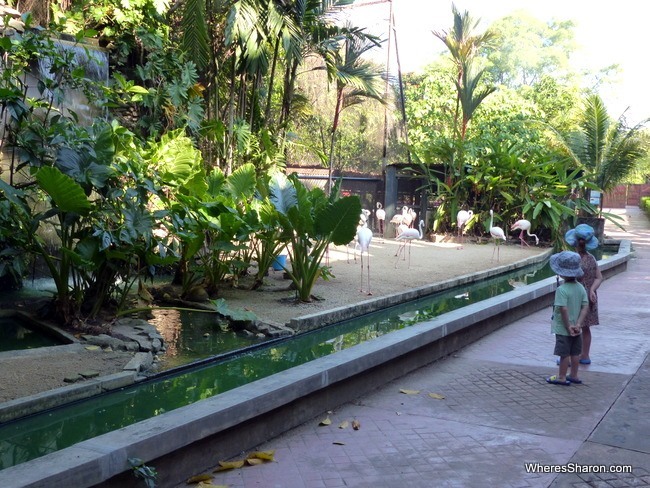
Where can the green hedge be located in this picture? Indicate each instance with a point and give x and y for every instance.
(645, 205)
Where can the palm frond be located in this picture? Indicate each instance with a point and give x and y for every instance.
(196, 41)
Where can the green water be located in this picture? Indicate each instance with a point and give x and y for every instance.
(40, 434)
(31, 437)
(16, 335)
(193, 336)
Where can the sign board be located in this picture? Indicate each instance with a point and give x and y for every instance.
(594, 197)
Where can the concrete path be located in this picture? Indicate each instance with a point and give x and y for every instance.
(499, 420)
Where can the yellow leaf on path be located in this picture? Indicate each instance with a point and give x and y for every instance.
(437, 396)
(263, 455)
(356, 425)
(409, 392)
(326, 421)
(338, 443)
(210, 485)
(255, 461)
(225, 465)
(344, 424)
(198, 478)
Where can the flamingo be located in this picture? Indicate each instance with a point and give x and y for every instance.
(363, 221)
(380, 213)
(408, 216)
(462, 218)
(524, 225)
(408, 235)
(399, 219)
(412, 216)
(497, 234)
(364, 237)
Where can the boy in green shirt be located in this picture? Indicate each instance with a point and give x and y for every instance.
(569, 310)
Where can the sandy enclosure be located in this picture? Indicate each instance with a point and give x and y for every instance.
(430, 262)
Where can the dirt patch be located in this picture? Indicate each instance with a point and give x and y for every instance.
(38, 371)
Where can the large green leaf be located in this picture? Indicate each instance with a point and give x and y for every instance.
(241, 183)
(67, 195)
(282, 193)
(179, 161)
(339, 220)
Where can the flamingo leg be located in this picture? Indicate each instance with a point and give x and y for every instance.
(409, 254)
(495, 250)
(368, 256)
(361, 288)
(522, 238)
(399, 250)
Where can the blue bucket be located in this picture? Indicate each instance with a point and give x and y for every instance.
(280, 262)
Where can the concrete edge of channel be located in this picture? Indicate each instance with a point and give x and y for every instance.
(189, 440)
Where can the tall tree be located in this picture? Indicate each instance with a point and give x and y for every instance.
(525, 49)
(464, 44)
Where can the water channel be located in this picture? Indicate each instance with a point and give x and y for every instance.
(30, 437)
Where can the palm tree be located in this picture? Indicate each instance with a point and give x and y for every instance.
(356, 80)
(605, 149)
(463, 45)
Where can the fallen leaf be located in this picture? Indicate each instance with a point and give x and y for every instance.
(263, 455)
(437, 396)
(226, 465)
(338, 443)
(409, 392)
(210, 485)
(356, 425)
(398, 413)
(254, 461)
(325, 421)
(344, 424)
(199, 478)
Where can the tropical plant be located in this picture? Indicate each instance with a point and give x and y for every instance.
(311, 221)
(463, 45)
(605, 150)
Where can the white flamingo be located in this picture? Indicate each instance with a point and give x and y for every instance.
(364, 237)
(380, 213)
(462, 218)
(408, 236)
(497, 234)
(413, 215)
(524, 225)
(399, 219)
(363, 220)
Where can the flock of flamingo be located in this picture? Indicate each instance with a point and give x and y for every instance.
(405, 233)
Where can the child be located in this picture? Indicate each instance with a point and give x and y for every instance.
(569, 310)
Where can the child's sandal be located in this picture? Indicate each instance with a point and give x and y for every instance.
(555, 381)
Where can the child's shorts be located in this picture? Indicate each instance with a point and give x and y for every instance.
(568, 345)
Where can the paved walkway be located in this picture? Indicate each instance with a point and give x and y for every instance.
(498, 413)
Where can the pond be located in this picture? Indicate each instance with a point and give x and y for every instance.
(19, 334)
